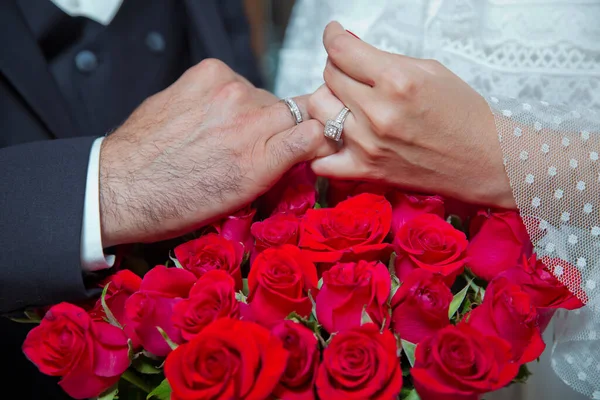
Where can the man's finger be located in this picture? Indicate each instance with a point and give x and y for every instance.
(278, 117)
(302, 142)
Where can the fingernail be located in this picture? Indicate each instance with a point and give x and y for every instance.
(353, 34)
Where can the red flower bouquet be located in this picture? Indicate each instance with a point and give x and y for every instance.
(375, 296)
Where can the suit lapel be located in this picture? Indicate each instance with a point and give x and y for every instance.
(206, 29)
(25, 67)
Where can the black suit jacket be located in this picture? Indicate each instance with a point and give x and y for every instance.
(42, 181)
(43, 167)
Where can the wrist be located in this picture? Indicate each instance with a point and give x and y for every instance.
(114, 221)
(496, 189)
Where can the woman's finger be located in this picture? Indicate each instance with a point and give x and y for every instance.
(356, 58)
(342, 165)
(352, 93)
(323, 105)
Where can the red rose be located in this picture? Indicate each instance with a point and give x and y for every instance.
(212, 252)
(406, 206)
(278, 284)
(340, 190)
(211, 298)
(547, 293)
(347, 289)
(360, 363)
(229, 359)
(428, 242)
(153, 304)
(420, 306)
(498, 241)
(236, 228)
(275, 231)
(298, 379)
(353, 230)
(300, 176)
(537, 279)
(507, 312)
(88, 355)
(296, 199)
(120, 287)
(458, 363)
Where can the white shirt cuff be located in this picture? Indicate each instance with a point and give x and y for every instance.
(92, 252)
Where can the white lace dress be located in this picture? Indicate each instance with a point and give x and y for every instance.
(537, 62)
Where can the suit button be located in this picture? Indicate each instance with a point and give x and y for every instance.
(155, 42)
(86, 61)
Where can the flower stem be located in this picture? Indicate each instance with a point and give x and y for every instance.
(136, 381)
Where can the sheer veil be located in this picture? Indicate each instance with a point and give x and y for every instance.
(538, 65)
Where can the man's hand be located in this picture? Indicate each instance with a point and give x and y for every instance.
(204, 147)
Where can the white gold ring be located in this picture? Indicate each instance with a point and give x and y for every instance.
(294, 109)
(334, 127)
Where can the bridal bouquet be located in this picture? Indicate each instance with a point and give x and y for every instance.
(328, 290)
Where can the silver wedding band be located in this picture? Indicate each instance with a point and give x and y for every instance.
(334, 127)
(294, 109)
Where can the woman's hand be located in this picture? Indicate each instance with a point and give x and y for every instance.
(413, 123)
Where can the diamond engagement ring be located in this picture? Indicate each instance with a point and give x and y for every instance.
(334, 127)
(296, 114)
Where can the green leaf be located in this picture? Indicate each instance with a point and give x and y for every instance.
(365, 318)
(310, 323)
(412, 395)
(131, 351)
(395, 286)
(176, 262)
(457, 300)
(24, 321)
(109, 315)
(245, 288)
(409, 350)
(171, 343)
(144, 367)
(32, 316)
(317, 206)
(161, 392)
(479, 291)
(110, 394)
(241, 297)
(523, 374)
(391, 267)
(314, 306)
(320, 284)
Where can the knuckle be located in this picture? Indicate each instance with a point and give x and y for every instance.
(403, 86)
(433, 66)
(234, 91)
(337, 44)
(383, 121)
(212, 66)
(208, 69)
(373, 151)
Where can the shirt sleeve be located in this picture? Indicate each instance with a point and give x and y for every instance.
(92, 251)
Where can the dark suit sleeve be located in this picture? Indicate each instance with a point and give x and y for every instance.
(42, 189)
(236, 24)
